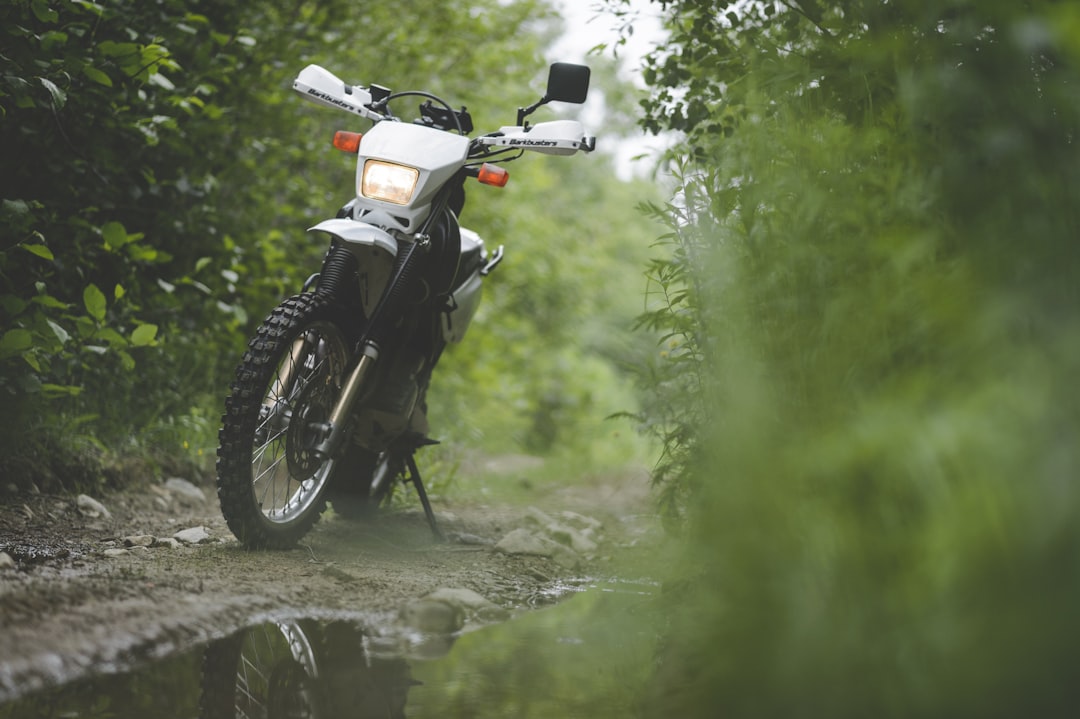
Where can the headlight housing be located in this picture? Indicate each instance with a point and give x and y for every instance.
(388, 182)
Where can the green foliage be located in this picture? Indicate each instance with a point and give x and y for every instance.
(876, 264)
(550, 340)
(158, 176)
(102, 187)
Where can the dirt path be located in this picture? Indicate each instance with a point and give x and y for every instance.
(81, 594)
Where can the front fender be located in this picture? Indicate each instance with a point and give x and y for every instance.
(358, 233)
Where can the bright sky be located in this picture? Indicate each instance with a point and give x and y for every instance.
(586, 27)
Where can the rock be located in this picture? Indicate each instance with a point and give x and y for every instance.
(90, 507)
(522, 541)
(433, 616)
(573, 538)
(185, 491)
(581, 521)
(170, 542)
(466, 538)
(339, 574)
(6, 562)
(471, 603)
(192, 535)
(139, 540)
(116, 552)
(538, 517)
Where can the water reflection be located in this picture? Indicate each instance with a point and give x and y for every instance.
(302, 669)
(559, 661)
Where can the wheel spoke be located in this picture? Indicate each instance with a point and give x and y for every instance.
(271, 481)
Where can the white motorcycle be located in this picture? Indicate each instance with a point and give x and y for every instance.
(329, 399)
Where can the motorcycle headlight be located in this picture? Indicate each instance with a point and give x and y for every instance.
(388, 182)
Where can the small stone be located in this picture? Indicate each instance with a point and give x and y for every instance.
(573, 538)
(116, 552)
(471, 603)
(522, 541)
(581, 521)
(470, 539)
(433, 616)
(90, 507)
(187, 492)
(538, 517)
(169, 542)
(192, 535)
(6, 562)
(139, 540)
(140, 551)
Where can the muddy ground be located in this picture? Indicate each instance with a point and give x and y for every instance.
(81, 594)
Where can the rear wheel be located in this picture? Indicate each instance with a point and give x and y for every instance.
(363, 482)
(271, 481)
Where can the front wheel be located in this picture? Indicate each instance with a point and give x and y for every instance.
(271, 482)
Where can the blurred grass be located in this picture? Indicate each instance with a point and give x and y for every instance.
(885, 519)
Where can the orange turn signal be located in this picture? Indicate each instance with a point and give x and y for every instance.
(493, 175)
(347, 141)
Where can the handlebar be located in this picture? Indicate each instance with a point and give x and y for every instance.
(558, 137)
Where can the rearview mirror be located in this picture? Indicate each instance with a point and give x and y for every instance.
(568, 83)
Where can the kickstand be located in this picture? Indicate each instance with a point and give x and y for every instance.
(414, 477)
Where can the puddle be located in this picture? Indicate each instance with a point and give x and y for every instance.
(556, 661)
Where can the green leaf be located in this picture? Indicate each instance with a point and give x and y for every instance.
(114, 235)
(15, 341)
(111, 48)
(97, 76)
(93, 7)
(119, 291)
(12, 305)
(52, 39)
(60, 332)
(94, 300)
(49, 301)
(15, 207)
(43, 12)
(142, 254)
(60, 390)
(126, 360)
(144, 335)
(40, 250)
(58, 96)
(202, 262)
(114, 339)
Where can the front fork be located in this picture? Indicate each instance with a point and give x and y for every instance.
(334, 429)
(390, 306)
